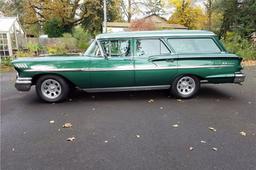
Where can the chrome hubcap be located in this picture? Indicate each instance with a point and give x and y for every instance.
(186, 85)
(51, 88)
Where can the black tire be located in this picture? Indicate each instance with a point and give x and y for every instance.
(58, 94)
(185, 91)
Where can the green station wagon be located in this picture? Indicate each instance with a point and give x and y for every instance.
(179, 60)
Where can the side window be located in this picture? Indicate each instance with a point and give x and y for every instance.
(149, 47)
(203, 45)
(116, 48)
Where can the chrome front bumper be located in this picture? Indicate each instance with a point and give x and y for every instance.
(239, 77)
(23, 83)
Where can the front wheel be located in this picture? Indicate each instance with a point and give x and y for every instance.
(185, 86)
(51, 88)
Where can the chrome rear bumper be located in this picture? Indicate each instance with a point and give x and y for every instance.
(239, 77)
(23, 83)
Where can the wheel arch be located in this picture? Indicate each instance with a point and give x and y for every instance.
(188, 74)
(37, 76)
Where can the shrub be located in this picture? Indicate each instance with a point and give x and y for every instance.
(69, 42)
(24, 54)
(234, 43)
(6, 61)
(83, 38)
(57, 49)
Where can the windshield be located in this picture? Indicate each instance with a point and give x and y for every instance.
(93, 50)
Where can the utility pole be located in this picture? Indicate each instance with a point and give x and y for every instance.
(105, 16)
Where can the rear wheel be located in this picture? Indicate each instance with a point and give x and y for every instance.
(185, 86)
(51, 88)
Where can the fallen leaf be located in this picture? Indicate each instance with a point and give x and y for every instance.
(138, 136)
(215, 149)
(202, 141)
(151, 101)
(242, 133)
(175, 125)
(212, 129)
(67, 125)
(71, 139)
(191, 148)
(105, 141)
(51, 121)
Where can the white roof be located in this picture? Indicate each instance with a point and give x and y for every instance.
(6, 23)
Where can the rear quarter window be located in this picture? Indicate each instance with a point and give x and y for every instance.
(193, 45)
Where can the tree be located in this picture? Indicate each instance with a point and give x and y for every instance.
(238, 16)
(11, 7)
(54, 28)
(93, 18)
(209, 11)
(187, 14)
(145, 7)
(70, 13)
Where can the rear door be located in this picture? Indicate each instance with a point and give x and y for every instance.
(154, 62)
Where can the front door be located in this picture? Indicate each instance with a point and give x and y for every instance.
(115, 68)
(154, 63)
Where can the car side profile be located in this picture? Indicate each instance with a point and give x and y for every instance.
(179, 60)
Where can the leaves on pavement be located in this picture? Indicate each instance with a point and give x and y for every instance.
(243, 133)
(71, 139)
(67, 125)
(215, 149)
(151, 101)
(212, 129)
(175, 125)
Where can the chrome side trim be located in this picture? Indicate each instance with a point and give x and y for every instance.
(57, 70)
(123, 69)
(133, 88)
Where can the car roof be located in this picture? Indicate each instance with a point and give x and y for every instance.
(164, 33)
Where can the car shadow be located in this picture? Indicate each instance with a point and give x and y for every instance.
(205, 92)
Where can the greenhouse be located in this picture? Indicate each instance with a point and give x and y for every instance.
(12, 36)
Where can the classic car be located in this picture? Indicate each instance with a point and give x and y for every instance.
(179, 60)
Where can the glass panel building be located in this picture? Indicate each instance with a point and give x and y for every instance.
(12, 36)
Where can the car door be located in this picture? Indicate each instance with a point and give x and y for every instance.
(154, 62)
(115, 68)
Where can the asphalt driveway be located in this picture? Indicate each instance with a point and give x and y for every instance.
(130, 130)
